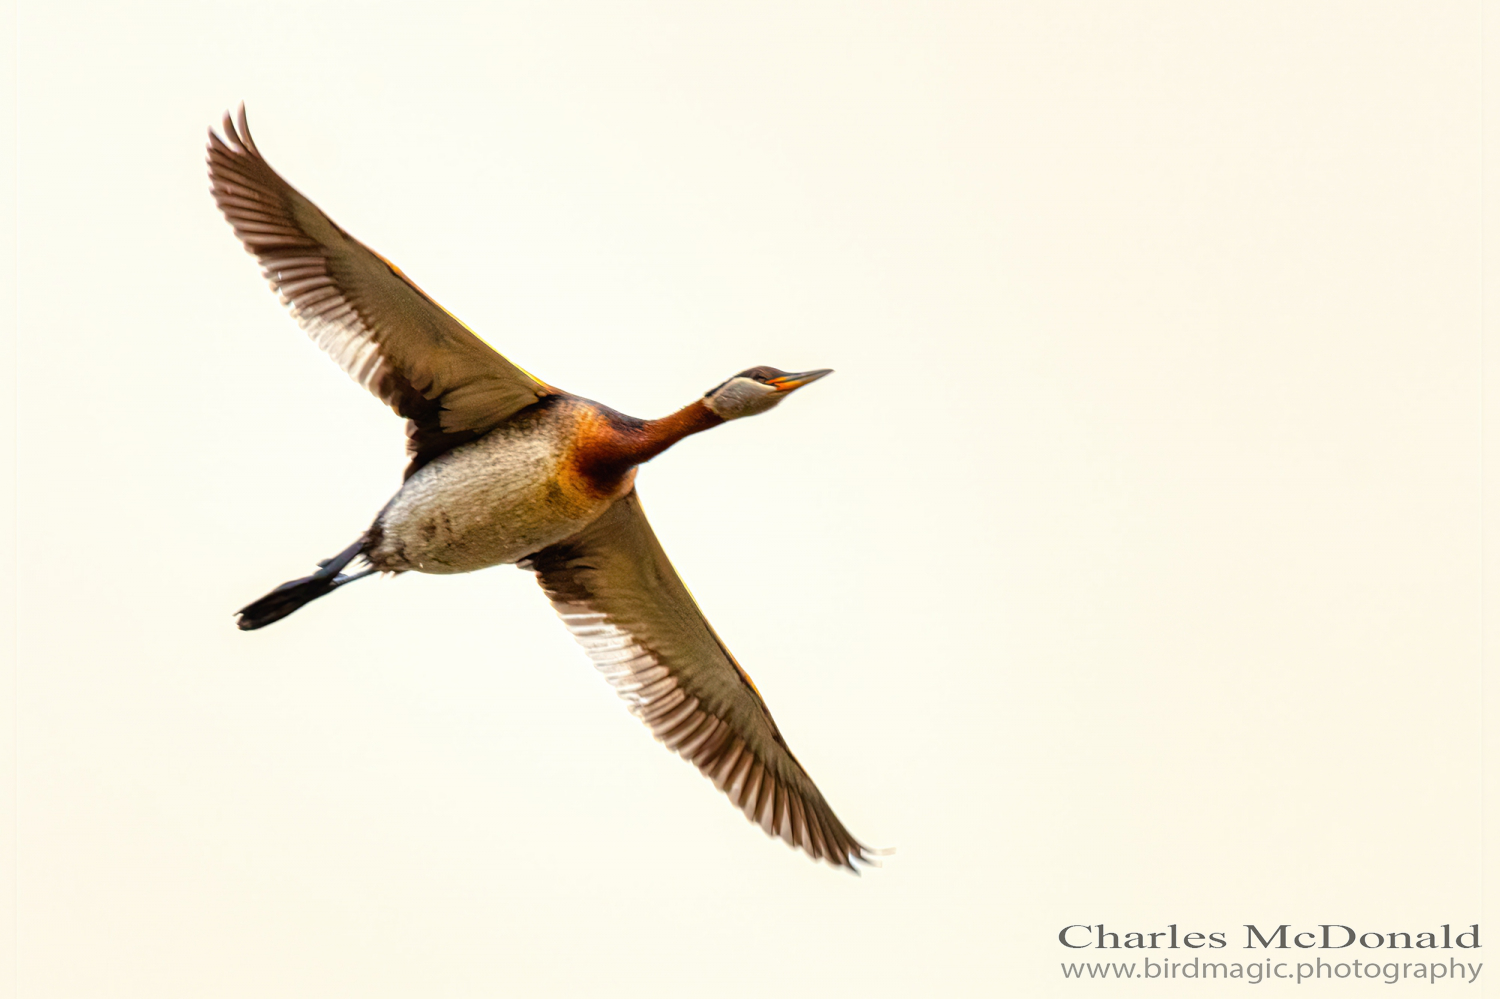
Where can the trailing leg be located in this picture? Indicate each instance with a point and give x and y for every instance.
(289, 596)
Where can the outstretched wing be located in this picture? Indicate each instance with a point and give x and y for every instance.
(379, 326)
(614, 588)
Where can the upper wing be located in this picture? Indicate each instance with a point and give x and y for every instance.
(379, 326)
(620, 597)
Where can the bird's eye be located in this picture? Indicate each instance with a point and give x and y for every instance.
(760, 374)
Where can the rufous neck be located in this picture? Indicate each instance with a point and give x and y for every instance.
(655, 436)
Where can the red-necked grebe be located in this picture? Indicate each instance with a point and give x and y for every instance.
(508, 469)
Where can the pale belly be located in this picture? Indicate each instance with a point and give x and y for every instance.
(491, 502)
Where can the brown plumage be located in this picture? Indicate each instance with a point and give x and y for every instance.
(618, 594)
(381, 328)
(507, 469)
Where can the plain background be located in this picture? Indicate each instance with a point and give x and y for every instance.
(1128, 570)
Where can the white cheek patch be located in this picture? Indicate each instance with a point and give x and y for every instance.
(742, 397)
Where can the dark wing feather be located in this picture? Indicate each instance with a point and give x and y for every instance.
(379, 326)
(620, 597)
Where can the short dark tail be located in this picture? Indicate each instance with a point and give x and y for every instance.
(289, 596)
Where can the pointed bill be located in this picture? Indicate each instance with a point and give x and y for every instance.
(797, 379)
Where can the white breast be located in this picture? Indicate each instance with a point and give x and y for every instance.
(494, 501)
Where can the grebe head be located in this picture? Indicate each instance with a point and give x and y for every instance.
(756, 390)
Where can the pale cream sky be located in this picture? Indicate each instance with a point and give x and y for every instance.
(1127, 570)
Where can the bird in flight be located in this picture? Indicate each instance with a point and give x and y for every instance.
(506, 469)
